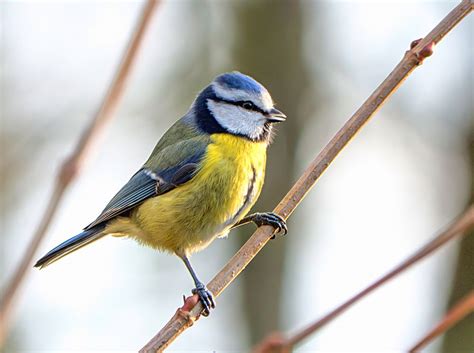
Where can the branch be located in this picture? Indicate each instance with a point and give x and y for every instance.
(73, 165)
(464, 223)
(460, 310)
(413, 57)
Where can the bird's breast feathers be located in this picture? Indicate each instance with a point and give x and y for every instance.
(235, 167)
(225, 187)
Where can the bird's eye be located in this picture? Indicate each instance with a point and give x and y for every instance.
(248, 105)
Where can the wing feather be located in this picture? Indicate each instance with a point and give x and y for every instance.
(175, 165)
(139, 188)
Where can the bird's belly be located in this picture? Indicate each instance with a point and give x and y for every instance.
(188, 218)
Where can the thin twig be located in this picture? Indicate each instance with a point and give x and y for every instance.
(73, 165)
(461, 309)
(461, 226)
(273, 343)
(464, 223)
(413, 57)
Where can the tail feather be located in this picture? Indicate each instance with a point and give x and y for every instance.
(71, 245)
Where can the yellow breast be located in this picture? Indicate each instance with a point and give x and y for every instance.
(224, 189)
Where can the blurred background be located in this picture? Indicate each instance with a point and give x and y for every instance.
(398, 183)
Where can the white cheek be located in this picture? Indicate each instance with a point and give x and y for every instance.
(237, 120)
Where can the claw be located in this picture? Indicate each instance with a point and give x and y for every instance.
(206, 298)
(271, 219)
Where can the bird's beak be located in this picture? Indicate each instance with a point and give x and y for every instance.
(275, 116)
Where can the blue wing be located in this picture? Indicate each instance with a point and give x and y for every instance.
(174, 165)
(139, 188)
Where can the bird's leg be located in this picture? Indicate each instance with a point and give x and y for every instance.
(265, 218)
(206, 297)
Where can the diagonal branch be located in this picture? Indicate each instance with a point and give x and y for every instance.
(421, 49)
(73, 165)
(461, 309)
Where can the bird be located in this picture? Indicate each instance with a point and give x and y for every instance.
(200, 181)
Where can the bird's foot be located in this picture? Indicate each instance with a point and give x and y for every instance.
(271, 219)
(206, 298)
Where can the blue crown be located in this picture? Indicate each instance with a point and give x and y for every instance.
(237, 80)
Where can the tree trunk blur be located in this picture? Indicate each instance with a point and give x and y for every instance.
(269, 47)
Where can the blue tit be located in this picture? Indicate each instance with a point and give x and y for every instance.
(200, 181)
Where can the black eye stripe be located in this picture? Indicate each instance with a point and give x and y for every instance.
(251, 106)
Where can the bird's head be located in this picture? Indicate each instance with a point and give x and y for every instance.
(237, 104)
